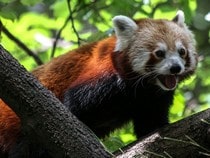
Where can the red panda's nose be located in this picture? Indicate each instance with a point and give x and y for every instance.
(175, 69)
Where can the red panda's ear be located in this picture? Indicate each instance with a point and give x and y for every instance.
(124, 28)
(179, 18)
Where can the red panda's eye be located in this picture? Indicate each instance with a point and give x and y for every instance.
(160, 53)
(182, 52)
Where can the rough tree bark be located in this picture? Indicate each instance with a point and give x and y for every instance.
(188, 138)
(43, 116)
(63, 135)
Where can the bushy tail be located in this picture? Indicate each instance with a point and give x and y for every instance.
(9, 127)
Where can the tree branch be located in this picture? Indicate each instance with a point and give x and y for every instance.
(43, 117)
(78, 7)
(20, 44)
(189, 137)
(64, 136)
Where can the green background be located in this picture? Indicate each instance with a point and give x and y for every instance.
(37, 24)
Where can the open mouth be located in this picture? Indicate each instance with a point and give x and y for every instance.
(167, 82)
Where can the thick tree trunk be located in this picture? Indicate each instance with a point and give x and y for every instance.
(64, 136)
(43, 117)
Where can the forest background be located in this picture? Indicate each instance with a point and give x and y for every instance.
(35, 31)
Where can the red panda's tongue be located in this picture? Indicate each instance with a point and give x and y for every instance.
(169, 81)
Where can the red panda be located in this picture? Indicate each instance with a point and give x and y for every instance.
(130, 76)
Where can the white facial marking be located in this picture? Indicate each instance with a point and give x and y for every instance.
(139, 61)
(162, 49)
(164, 66)
(162, 46)
(171, 58)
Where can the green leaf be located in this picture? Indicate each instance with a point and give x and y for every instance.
(8, 15)
(7, 12)
(176, 111)
(30, 2)
(6, 1)
(60, 9)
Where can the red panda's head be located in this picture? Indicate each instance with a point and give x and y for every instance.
(163, 50)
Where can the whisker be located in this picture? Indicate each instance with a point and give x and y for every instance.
(140, 81)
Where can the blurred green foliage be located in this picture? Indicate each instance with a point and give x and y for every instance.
(37, 24)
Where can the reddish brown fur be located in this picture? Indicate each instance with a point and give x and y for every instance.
(83, 64)
(9, 126)
(160, 33)
(58, 75)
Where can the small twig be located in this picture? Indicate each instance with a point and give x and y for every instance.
(191, 141)
(196, 144)
(121, 150)
(155, 154)
(58, 36)
(70, 17)
(167, 154)
(205, 154)
(208, 123)
(20, 44)
(72, 22)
